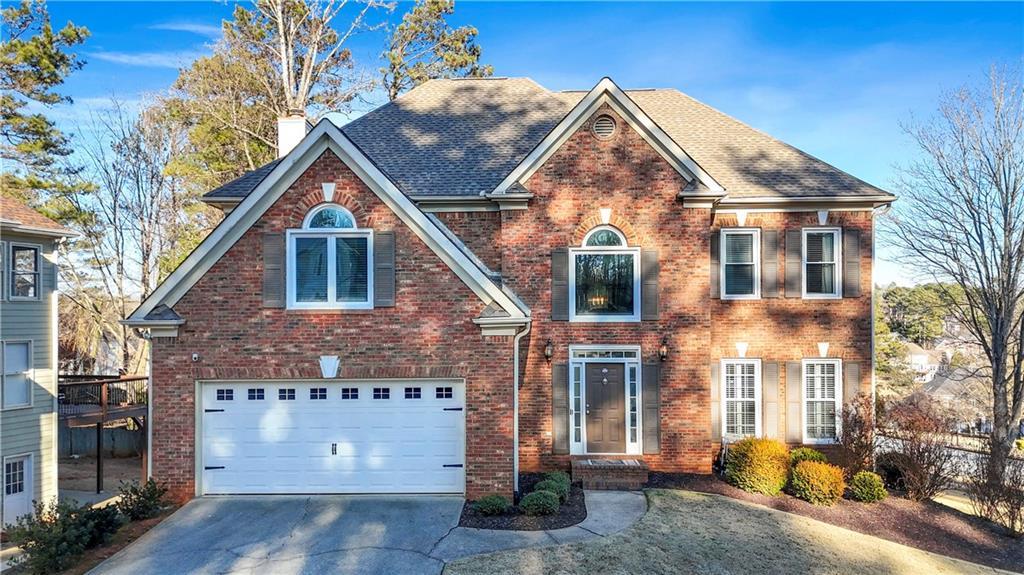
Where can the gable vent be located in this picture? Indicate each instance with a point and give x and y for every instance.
(603, 127)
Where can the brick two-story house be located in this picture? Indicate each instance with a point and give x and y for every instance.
(485, 277)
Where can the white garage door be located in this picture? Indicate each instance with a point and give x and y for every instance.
(318, 437)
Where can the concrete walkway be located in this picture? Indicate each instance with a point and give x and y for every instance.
(342, 534)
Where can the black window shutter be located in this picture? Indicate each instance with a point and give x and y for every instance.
(851, 263)
(651, 390)
(560, 284)
(715, 269)
(649, 270)
(769, 263)
(273, 270)
(794, 263)
(560, 408)
(384, 269)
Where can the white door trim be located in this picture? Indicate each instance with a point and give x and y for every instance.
(29, 482)
(580, 447)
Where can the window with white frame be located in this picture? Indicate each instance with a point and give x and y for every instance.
(741, 264)
(741, 397)
(821, 263)
(17, 374)
(330, 262)
(604, 278)
(822, 399)
(24, 262)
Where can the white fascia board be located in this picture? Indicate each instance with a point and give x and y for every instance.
(323, 137)
(607, 92)
(770, 201)
(16, 227)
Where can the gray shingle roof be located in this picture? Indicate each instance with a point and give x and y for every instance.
(462, 137)
(240, 187)
(163, 313)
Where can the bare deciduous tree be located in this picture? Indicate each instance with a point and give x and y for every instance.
(961, 218)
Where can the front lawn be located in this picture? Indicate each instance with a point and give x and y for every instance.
(688, 532)
(926, 525)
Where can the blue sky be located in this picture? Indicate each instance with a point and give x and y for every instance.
(834, 79)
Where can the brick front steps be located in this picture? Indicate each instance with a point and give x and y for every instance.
(610, 474)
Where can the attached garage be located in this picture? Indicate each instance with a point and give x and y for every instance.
(383, 436)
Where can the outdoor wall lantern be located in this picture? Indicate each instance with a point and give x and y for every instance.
(549, 350)
(663, 350)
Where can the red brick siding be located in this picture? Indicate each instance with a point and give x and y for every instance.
(480, 231)
(429, 333)
(628, 176)
(789, 329)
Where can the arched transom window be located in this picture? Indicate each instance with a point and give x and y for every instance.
(330, 261)
(604, 282)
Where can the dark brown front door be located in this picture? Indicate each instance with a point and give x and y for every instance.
(606, 408)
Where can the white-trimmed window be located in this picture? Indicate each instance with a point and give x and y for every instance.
(604, 278)
(821, 263)
(741, 263)
(823, 392)
(24, 271)
(330, 262)
(17, 374)
(741, 397)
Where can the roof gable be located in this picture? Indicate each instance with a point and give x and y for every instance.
(606, 92)
(19, 217)
(325, 136)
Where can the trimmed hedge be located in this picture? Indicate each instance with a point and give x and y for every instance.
(806, 454)
(758, 465)
(559, 476)
(867, 487)
(818, 483)
(492, 505)
(539, 503)
(557, 487)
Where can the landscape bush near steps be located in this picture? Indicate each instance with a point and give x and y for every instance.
(539, 503)
(817, 482)
(758, 465)
(867, 487)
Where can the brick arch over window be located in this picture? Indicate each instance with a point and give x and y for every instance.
(594, 220)
(311, 200)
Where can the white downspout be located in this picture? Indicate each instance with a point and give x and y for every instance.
(515, 406)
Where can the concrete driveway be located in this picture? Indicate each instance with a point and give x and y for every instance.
(291, 535)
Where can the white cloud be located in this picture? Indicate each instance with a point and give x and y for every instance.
(208, 30)
(171, 59)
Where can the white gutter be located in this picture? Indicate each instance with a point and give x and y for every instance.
(515, 406)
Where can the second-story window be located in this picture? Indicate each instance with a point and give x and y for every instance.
(741, 266)
(821, 263)
(604, 280)
(24, 272)
(330, 262)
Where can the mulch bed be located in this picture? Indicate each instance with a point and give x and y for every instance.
(927, 525)
(569, 513)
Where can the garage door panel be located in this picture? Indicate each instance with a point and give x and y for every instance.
(333, 438)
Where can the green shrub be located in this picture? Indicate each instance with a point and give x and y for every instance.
(105, 521)
(141, 502)
(557, 487)
(867, 487)
(492, 505)
(818, 483)
(559, 476)
(58, 532)
(758, 465)
(806, 454)
(539, 503)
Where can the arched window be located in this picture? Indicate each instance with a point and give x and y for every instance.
(330, 261)
(604, 282)
(329, 216)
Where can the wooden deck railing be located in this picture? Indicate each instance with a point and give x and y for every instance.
(99, 398)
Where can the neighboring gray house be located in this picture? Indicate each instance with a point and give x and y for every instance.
(28, 355)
